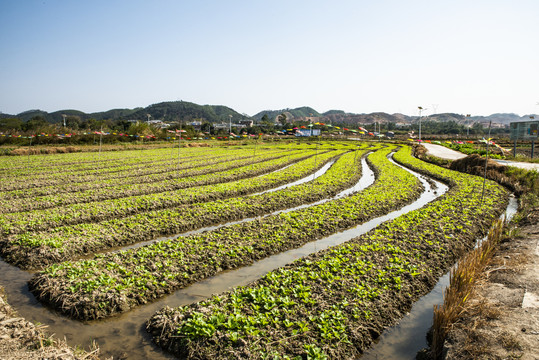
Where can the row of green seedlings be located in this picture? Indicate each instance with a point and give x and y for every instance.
(334, 303)
(69, 242)
(112, 283)
(83, 159)
(217, 155)
(58, 164)
(204, 174)
(163, 159)
(90, 159)
(152, 171)
(41, 220)
(55, 164)
(118, 172)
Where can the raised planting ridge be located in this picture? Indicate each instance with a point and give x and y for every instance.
(113, 283)
(332, 304)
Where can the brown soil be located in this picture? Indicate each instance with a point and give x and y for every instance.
(20, 339)
(53, 149)
(502, 321)
(197, 145)
(47, 150)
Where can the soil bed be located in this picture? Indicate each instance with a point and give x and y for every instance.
(165, 266)
(76, 241)
(335, 302)
(172, 179)
(128, 329)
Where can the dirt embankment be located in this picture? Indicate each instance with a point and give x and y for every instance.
(20, 339)
(502, 318)
(475, 165)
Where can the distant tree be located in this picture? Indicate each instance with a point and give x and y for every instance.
(73, 122)
(206, 127)
(190, 131)
(282, 119)
(257, 130)
(122, 125)
(89, 124)
(11, 124)
(35, 123)
(266, 121)
(107, 124)
(477, 129)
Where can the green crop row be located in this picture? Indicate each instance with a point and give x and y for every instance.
(82, 159)
(69, 183)
(116, 282)
(169, 180)
(333, 303)
(39, 220)
(117, 172)
(45, 165)
(89, 160)
(54, 164)
(144, 172)
(67, 242)
(38, 166)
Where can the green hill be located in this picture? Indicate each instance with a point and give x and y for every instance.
(175, 110)
(166, 111)
(300, 112)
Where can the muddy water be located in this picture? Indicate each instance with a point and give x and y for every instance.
(403, 341)
(125, 336)
(316, 174)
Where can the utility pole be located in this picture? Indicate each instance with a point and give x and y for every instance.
(179, 145)
(420, 109)
(468, 124)
(230, 125)
(486, 163)
(533, 140)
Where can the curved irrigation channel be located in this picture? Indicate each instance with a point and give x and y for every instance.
(307, 178)
(124, 335)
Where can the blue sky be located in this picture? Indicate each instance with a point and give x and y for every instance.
(477, 57)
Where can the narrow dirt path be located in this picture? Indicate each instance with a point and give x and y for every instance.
(442, 152)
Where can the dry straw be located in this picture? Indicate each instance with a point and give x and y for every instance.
(462, 279)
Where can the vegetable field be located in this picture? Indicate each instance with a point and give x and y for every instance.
(73, 219)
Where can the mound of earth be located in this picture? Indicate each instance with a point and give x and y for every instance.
(20, 339)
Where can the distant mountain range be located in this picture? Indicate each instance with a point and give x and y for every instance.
(175, 110)
(166, 111)
(341, 117)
